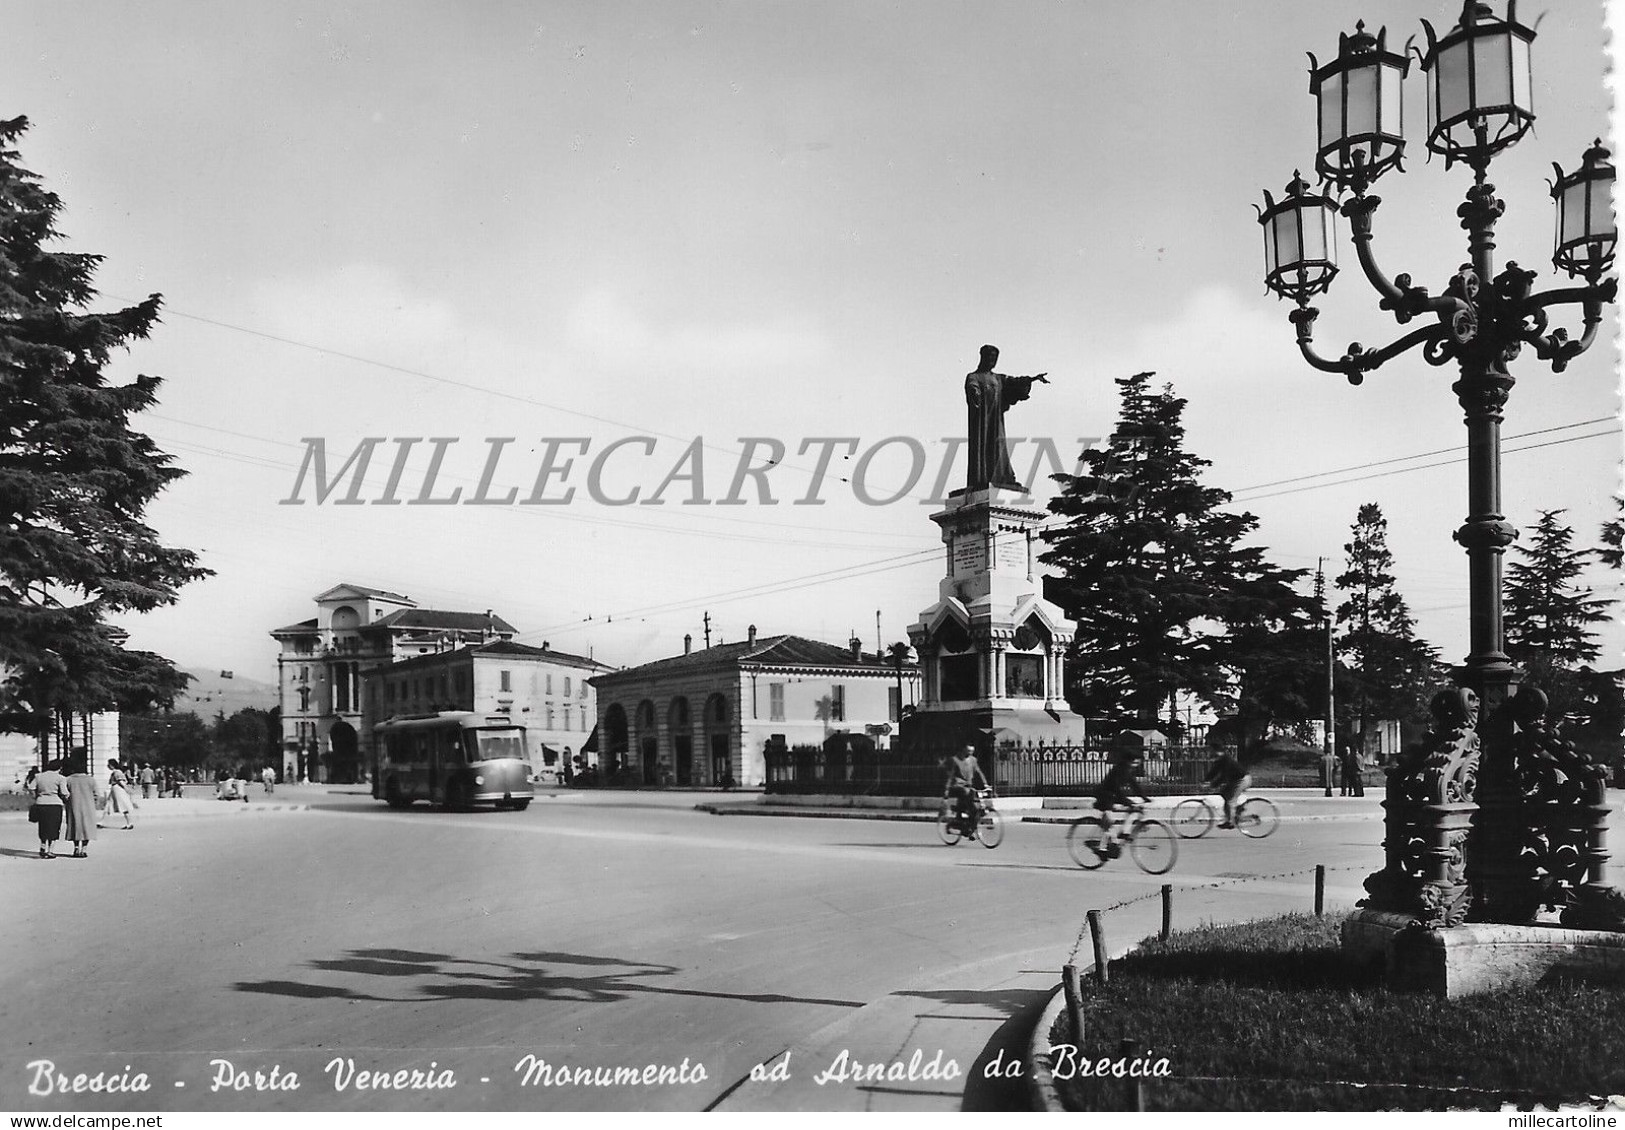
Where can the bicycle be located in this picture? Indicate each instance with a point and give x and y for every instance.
(989, 824)
(1194, 817)
(1150, 843)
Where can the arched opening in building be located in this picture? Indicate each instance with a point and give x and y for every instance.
(648, 743)
(681, 726)
(344, 759)
(717, 717)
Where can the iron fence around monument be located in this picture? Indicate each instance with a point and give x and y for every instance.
(1016, 770)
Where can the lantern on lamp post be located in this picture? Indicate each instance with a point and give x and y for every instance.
(1492, 752)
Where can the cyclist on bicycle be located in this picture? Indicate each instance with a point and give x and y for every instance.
(1230, 781)
(965, 780)
(1120, 788)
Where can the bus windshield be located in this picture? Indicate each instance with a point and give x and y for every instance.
(495, 744)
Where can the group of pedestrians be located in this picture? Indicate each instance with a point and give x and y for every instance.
(64, 804)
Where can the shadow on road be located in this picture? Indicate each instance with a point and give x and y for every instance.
(1021, 1008)
(544, 975)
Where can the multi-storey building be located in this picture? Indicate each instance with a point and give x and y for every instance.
(324, 659)
(547, 691)
(705, 717)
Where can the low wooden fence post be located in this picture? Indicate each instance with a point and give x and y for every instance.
(1320, 890)
(1128, 1050)
(1072, 986)
(1097, 936)
(1167, 910)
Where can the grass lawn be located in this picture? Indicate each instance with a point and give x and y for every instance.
(1269, 1015)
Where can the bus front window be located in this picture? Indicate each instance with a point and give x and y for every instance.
(494, 744)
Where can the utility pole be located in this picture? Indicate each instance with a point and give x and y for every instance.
(1329, 740)
(708, 631)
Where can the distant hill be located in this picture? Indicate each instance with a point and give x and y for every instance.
(210, 694)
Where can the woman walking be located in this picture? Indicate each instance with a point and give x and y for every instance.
(50, 798)
(118, 794)
(81, 806)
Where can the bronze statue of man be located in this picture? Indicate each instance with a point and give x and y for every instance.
(987, 395)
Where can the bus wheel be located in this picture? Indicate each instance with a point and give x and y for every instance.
(454, 798)
(521, 805)
(392, 794)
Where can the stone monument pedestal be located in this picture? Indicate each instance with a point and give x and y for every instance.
(1478, 957)
(991, 649)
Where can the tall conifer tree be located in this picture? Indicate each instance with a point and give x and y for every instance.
(1166, 598)
(75, 479)
(1392, 673)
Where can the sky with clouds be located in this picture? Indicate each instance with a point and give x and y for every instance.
(789, 221)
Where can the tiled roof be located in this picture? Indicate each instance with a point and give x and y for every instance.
(363, 590)
(767, 651)
(430, 618)
(301, 628)
(498, 648)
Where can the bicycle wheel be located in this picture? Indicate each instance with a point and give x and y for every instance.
(1154, 846)
(1257, 818)
(990, 830)
(1192, 818)
(1085, 840)
(947, 831)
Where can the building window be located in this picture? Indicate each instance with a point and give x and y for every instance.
(583, 689)
(837, 703)
(549, 688)
(583, 718)
(566, 717)
(566, 686)
(389, 692)
(550, 716)
(506, 685)
(775, 702)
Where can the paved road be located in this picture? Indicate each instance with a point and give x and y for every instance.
(595, 931)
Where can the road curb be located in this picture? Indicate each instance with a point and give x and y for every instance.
(1041, 1088)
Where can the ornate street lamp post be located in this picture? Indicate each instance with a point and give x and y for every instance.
(1496, 817)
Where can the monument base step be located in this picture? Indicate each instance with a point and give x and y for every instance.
(1479, 957)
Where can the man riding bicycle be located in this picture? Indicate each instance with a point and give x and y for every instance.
(964, 785)
(1230, 781)
(1120, 789)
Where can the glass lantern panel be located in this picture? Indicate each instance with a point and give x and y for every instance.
(1315, 243)
(1492, 76)
(1331, 110)
(1393, 84)
(1270, 260)
(1571, 213)
(1522, 84)
(1288, 247)
(1450, 83)
(1362, 100)
(1600, 216)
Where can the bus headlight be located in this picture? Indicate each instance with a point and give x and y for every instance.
(479, 780)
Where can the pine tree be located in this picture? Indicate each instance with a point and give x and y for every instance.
(1547, 616)
(1389, 672)
(1612, 550)
(75, 479)
(1151, 568)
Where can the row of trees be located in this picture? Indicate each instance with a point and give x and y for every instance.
(75, 480)
(1170, 602)
(250, 737)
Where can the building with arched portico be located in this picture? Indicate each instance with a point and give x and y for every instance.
(324, 659)
(706, 717)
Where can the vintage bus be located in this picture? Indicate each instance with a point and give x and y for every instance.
(454, 758)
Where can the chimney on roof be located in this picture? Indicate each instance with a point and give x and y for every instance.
(857, 648)
(751, 635)
(688, 643)
(546, 645)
